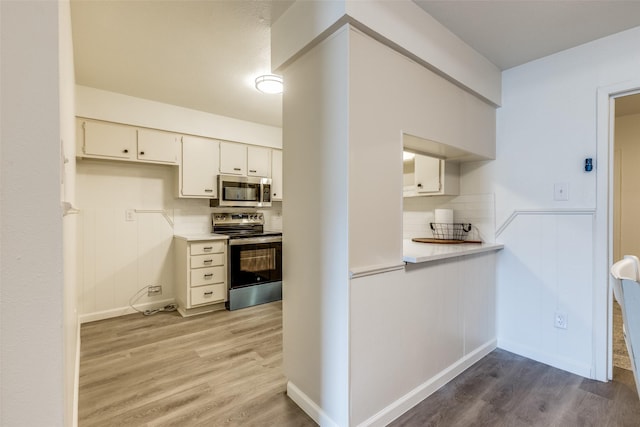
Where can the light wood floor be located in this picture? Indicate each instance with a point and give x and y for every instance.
(216, 369)
(224, 369)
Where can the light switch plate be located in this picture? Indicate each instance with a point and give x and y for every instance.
(561, 191)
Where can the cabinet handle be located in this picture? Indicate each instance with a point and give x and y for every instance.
(207, 248)
(207, 261)
(208, 293)
(274, 194)
(419, 185)
(208, 190)
(252, 170)
(142, 153)
(208, 275)
(237, 169)
(125, 151)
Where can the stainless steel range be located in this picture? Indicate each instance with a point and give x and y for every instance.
(254, 259)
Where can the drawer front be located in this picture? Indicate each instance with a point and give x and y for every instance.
(209, 294)
(207, 276)
(200, 261)
(207, 247)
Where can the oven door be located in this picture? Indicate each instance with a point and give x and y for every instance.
(254, 261)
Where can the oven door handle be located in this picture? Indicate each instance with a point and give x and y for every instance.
(254, 240)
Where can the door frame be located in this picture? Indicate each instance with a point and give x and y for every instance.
(602, 368)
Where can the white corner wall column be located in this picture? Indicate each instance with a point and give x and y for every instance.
(342, 130)
(316, 234)
(32, 296)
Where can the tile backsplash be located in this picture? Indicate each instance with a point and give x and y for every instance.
(477, 209)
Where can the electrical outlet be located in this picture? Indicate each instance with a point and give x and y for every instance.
(130, 215)
(154, 290)
(560, 320)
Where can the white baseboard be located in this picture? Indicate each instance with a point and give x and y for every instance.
(121, 311)
(424, 390)
(309, 406)
(548, 359)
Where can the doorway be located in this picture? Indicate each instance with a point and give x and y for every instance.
(626, 203)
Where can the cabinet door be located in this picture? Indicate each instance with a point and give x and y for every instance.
(276, 174)
(199, 167)
(157, 146)
(259, 162)
(427, 174)
(109, 140)
(233, 158)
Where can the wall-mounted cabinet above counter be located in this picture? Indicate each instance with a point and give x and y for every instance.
(200, 159)
(429, 176)
(104, 140)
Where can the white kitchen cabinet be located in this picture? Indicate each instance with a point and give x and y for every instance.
(157, 146)
(108, 140)
(200, 275)
(199, 167)
(429, 176)
(276, 175)
(233, 158)
(259, 161)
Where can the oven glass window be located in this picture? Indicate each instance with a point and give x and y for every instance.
(235, 191)
(255, 263)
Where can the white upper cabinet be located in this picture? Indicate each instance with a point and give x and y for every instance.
(429, 176)
(259, 161)
(157, 146)
(199, 167)
(233, 158)
(102, 139)
(116, 141)
(276, 174)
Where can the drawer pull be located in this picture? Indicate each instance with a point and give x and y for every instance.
(207, 294)
(237, 169)
(208, 190)
(252, 170)
(207, 248)
(208, 275)
(125, 151)
(207, 261)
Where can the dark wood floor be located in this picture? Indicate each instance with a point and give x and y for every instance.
(216, 369)
(224, 369)
(504, 389)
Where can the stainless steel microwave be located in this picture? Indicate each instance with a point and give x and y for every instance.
(243, 191)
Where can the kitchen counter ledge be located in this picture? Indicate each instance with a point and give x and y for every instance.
(201, 236)
(414, 252)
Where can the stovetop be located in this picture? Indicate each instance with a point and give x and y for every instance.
(240, 225)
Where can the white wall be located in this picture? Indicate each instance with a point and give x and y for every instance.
(400, 23)
(32, 351)
(546, 128)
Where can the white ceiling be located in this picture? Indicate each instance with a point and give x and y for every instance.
(204, 55)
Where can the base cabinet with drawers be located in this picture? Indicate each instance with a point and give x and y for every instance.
(201, 274)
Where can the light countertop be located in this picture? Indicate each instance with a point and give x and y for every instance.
(413, 252)
(201, 236)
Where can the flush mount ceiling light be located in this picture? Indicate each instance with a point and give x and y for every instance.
(269, 83)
